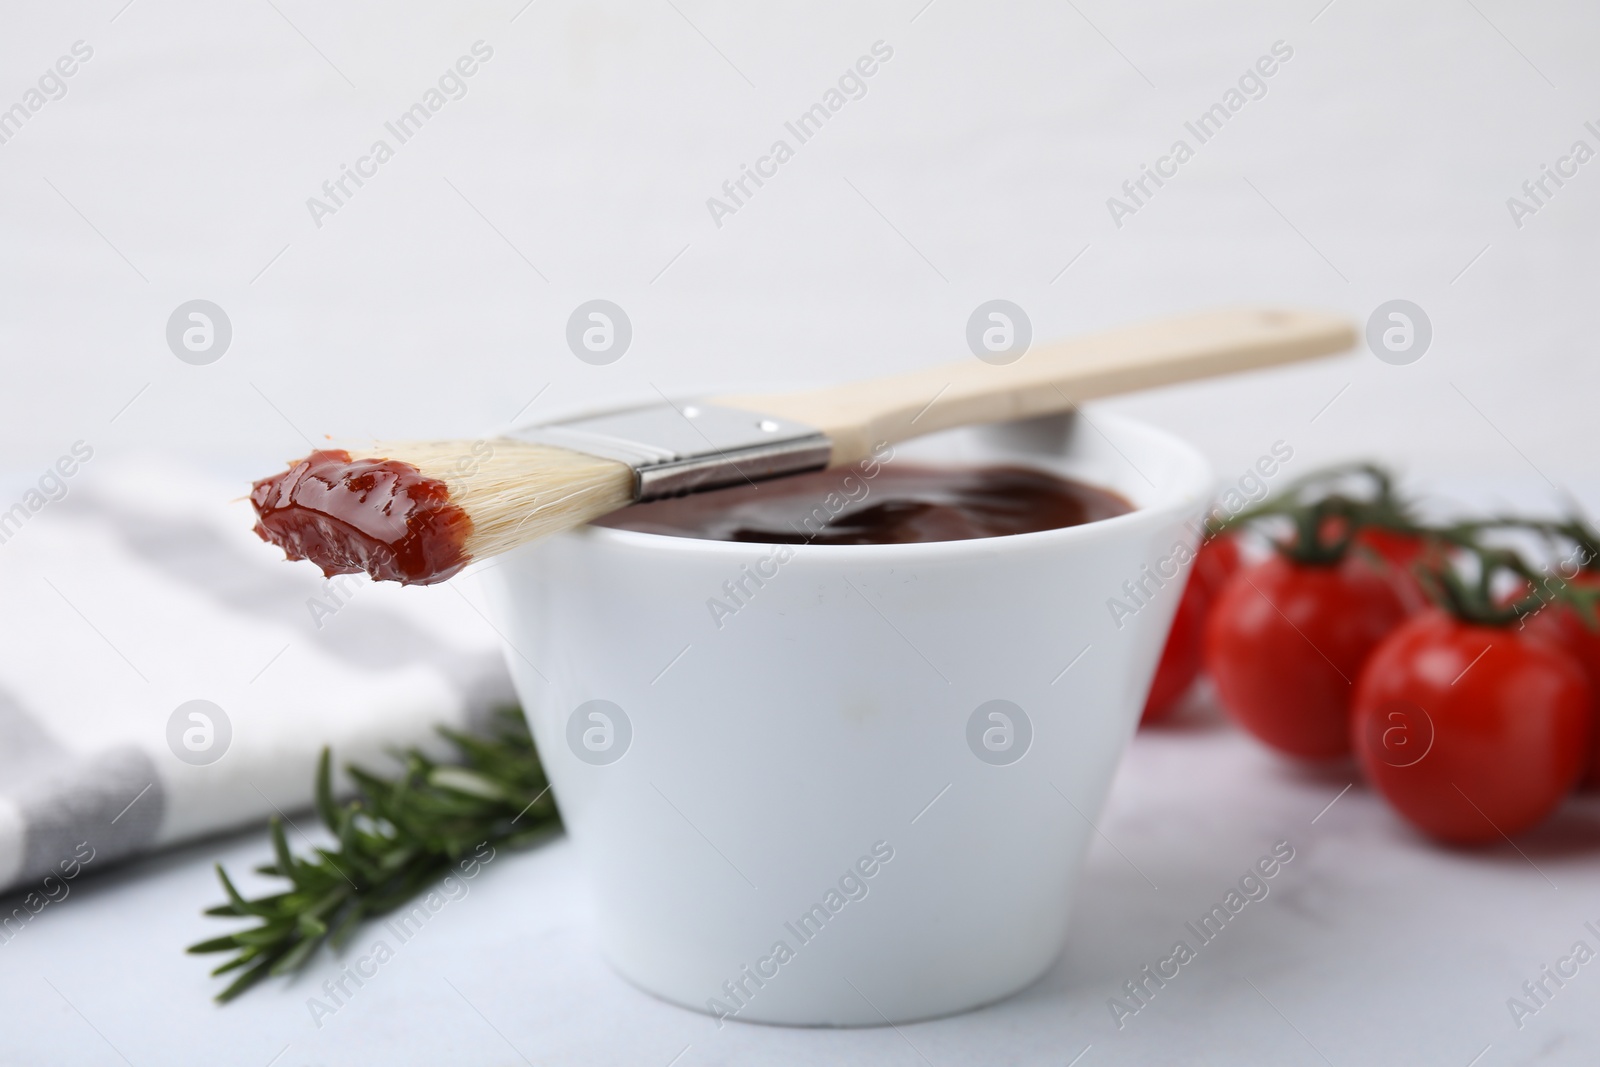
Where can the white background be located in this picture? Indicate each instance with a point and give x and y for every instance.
(1376, 167)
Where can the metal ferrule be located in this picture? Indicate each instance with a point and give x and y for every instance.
(679, 449)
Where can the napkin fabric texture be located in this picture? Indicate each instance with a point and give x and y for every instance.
(141, 589)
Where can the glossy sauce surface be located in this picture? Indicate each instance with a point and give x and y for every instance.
(380, 516)
(903, 503)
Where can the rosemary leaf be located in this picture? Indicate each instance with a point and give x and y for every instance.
(396, 837)
(296, 956)
(245, 981)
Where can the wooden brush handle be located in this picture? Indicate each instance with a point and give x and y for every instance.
(1054, 378)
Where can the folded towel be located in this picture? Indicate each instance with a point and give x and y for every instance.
(164, 674)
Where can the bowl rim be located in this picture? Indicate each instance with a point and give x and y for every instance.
(1190, 486)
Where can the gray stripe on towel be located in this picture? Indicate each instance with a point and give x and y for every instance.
(111, 799)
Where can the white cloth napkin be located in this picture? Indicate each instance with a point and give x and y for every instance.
(141, 589)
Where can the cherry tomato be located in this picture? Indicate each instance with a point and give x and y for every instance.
(1393, 553)
(1561, 624)
(1471, 731)
(1401, 549)
(1285, 643)
(1397, 552)
(1216, 562)
(1183, 655)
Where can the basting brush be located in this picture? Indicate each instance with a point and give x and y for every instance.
(417, 512)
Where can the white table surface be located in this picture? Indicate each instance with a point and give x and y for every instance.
(1372, 947)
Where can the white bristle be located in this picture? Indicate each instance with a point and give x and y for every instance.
(515, 492)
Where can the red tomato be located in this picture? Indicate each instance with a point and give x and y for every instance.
(1184, 652)
(1400, 549)
(1182, 656)
(1471, 731)
(1397, 552)
(1285, 643)
(1217, 561)
(1562, 625)
(1393, 553)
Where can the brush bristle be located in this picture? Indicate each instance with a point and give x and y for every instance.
(516, 492)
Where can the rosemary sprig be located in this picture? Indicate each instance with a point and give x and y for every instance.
(396, 836)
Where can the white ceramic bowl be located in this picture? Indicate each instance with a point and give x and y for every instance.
(811, 814)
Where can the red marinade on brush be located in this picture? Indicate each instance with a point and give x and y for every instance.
(347, 515)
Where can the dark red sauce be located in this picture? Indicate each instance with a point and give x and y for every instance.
(348, 515)
(900, 504)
